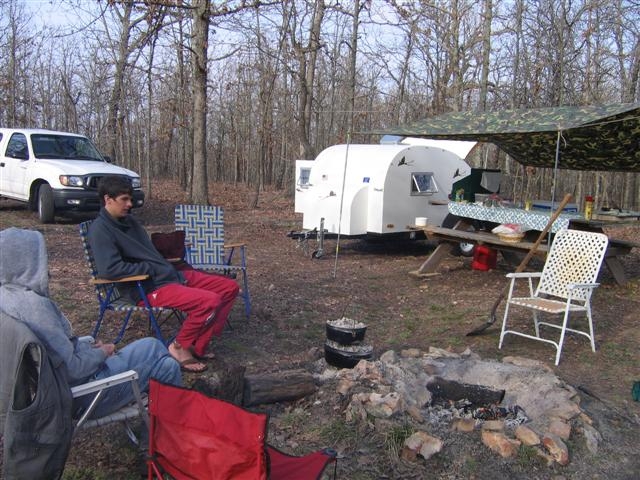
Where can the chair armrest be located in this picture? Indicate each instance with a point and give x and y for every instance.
(97, 385)
(174, 260)
(234, 245)
(572, 286)
(524, 275)
(103, 281)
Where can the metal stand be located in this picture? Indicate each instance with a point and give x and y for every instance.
(320, 251)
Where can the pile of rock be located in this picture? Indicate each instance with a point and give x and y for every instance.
(395, 386)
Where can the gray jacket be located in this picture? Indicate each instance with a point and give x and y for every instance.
(24, 295)
(122, 248)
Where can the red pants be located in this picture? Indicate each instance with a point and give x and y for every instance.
(206, 298)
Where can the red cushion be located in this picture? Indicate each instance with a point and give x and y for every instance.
(170, 245)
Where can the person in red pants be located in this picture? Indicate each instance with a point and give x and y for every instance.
(122, 248)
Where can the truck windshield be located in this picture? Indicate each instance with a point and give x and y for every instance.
(64, 146)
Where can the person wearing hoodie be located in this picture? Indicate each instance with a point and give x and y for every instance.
(24, 294)
(122, 248)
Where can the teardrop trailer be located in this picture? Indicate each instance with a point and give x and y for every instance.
(376, 191)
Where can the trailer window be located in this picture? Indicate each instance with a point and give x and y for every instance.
(303, 179)
(423, 183)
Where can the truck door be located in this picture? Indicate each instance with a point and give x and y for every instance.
(14, 166)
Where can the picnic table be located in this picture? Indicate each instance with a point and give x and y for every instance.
(534, 220)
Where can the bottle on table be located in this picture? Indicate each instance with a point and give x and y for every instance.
(588, 207)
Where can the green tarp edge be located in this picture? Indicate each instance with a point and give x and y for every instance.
(603, 137)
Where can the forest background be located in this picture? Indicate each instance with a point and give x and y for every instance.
(234, 91)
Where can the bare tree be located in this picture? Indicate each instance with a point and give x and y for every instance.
(200, 24)
(17, 46)
(132, 37)
(305, 52)
(486, 53)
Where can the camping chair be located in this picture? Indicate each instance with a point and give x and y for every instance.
(110, 299)
(204, 229)
(565, 285)
(193, 436)
(36, 404)
(132, 411)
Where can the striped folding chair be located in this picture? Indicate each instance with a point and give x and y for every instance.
(110, 299)
(206, 248)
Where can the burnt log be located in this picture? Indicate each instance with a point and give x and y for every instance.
(223, 381)
(277, 387)
(449, 390)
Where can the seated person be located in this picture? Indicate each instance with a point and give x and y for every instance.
(24, 290)
(121, 248)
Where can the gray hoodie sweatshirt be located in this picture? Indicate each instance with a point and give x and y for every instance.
(24, 294)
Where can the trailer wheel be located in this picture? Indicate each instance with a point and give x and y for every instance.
(463, 249)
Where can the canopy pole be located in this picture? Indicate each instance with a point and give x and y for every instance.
(555, 177)
(344, 179)
(555, 170)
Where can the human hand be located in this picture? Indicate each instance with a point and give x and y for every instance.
(108, 348)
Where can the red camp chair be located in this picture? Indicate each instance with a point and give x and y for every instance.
(193, 436)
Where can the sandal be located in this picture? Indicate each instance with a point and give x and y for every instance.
(192, 361)
(184, 364)
(205, 357)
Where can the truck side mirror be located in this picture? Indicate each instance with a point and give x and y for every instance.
(107, 158)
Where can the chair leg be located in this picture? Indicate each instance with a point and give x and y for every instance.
(245, 294)
(104, 300)
(96, 329)
(504, 325)
(125, 324)
(152, 317)
(506, 313)
(536, 322)
(591, 335)
(156, 327)
(563, 331)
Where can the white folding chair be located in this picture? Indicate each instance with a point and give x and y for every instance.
(565, 285)
(138, 408)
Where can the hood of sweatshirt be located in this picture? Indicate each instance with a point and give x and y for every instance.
(24, 260)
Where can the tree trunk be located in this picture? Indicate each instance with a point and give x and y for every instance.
(115, 98)
(199, 188)
(486, 52)
(353, 56)
(307, 58)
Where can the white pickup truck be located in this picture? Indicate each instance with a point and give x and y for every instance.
(55, 171)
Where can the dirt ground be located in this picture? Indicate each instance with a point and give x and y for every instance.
(294, 295)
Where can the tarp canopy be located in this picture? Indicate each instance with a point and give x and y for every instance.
(587, 138)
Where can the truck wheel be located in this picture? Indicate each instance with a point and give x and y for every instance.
(462, 249)
(33, 201)
(45, 203)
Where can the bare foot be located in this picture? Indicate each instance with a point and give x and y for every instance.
(186, 360)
